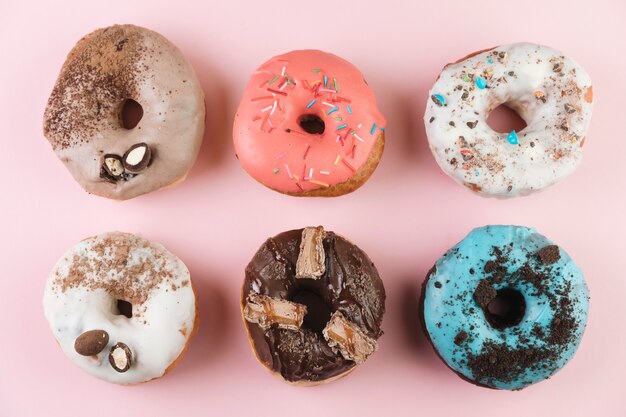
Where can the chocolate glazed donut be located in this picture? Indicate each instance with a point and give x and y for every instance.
(312, 303)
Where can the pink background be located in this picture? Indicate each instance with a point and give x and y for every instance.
(405, 217)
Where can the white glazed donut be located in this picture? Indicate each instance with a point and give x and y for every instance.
(81, 306)
(550, 91)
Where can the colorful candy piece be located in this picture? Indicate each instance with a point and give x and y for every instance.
(512, 138)
(438, 99)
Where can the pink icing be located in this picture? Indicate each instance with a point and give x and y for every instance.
(272, 146)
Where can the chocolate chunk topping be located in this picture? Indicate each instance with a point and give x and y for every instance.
(460, 338)
(121, 357)
(484, 293)
(549, 254)
(91, 342)
(137, 158)
(267, 311)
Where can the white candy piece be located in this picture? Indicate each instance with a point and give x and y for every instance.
(82, 292)
(550, 91)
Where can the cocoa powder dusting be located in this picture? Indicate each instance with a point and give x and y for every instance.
(112, 263)
(100, 72)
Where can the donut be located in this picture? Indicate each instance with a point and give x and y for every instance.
(126, 115)
(308, 125)
(312, 305)
(505, 308)
(549, 91)
(121, 308)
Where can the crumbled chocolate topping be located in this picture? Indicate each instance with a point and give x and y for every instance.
(549, 254)
(538, 348)
(484, 293)
(460, 338)
(498, 362)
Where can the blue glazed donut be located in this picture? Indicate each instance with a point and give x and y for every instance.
(505, 308)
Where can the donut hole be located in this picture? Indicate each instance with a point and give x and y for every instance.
(506, 309)
(312, 124)
(124, 308)
(317, 311)
(130, 113)
(503, 119)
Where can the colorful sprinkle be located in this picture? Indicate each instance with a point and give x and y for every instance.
(325, 172)
(512, 138)
(325, 80)
(357, 137)
(481, 83)
(306, 152)
(288, 171)
(342, 126)
(438, 99)
(334, 109)
(490, 61)
(335, 85)
(466, 78)
(316, 70)
(325, 103)
(261, 98)
(273, 80)
(349, 109)
(346, 163)
(373, 129)
(276, 170)
(281, 155)
(312, 102)
(323, 184)
(271, 90)
(337, 159)
(337, 118)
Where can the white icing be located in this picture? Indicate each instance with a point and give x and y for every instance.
(160, 327)
(549, 147)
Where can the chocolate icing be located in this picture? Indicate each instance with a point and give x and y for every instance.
(350, 284)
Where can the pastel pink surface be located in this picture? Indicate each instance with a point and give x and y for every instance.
(404, 217)
(269, 141)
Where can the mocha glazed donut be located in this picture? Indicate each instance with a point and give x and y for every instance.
(308, 125)
(109, 72)
(550, 91)
(312, 304)
(122, 308)
(505, 308)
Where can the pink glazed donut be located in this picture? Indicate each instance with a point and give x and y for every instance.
(308, 125)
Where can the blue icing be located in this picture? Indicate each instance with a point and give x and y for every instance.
(524, 353)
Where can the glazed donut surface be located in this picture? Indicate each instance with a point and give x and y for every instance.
(83, 118)
(307, 124)
(543, 310)
(551, 92)
(81, 304)
(305, 347)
